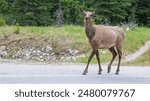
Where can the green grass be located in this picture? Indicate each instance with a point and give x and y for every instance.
(103, 57)
(135, 39)
(6, 30)
(74, 35)
(75, 38)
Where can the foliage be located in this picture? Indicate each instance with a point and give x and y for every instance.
(71, 10)
(45, 12)
(143, 12)
(33, 12)
(59, 16)
(110, 11)
(4, 7)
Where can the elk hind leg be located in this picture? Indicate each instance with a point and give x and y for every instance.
(114, 54)
(120, 55)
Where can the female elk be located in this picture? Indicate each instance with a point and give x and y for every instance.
(100, 37)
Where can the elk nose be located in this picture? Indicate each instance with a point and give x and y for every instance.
(86, 18)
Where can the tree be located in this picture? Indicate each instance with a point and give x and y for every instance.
(47, 12)
(59, 15)
(143, 12)
(4, 7)
(110, 11)
(33, 12)
(71, 9)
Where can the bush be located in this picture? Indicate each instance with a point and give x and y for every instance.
(2, 21)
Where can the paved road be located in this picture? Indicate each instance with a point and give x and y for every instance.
(14, 73)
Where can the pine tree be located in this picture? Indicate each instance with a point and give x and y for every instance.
(143, 12)
(59, 15)
(110, 11)
(33, 12)
(43, 12)
(71, 9)
(4, 7)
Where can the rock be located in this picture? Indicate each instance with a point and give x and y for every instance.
(73, 57)
(52, 53)
(68, 58)
(47, 54)
(73, 52)
(27, 54)
(2, 48)
(3, 54)
(41, 57)
(76, 52)
(62, 58)
(48, 49)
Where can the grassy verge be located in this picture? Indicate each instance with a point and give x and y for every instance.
(135, 39)
(103, 58)
(74, 37)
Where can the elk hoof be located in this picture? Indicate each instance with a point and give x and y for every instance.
(99, 73)
(108, 71)
(84, 73)
(117, 73)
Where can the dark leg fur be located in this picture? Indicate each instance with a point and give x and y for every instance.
(89, 60)
(120, 55)
(98, 60)
(114, 54)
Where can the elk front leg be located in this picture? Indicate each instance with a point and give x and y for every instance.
(89, 60)
(98, 60)
(120, 55)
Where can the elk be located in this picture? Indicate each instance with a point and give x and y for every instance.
(103, 37)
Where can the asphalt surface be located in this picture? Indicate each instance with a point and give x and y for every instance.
(15, 73)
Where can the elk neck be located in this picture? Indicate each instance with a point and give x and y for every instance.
(89, 29)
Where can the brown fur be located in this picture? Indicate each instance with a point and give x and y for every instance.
(101, 36)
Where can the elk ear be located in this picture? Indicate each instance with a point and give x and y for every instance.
(82, 10)
(93, 13)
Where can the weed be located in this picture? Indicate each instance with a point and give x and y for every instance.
(17, 29)
(2, 21)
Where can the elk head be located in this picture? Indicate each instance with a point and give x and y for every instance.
(87, 15)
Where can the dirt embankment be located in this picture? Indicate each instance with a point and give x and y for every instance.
(40, 48)
(35, 48)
